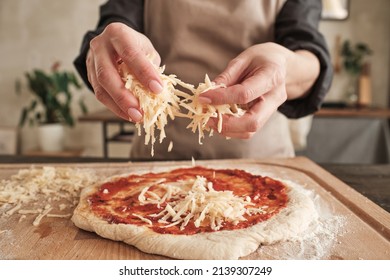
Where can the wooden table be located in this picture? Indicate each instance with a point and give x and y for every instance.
(354, 113)
(365, 235)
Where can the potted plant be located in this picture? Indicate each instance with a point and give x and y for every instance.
(51, 105)
(354, 59)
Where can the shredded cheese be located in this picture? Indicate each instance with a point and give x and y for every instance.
(38, 219)
(200, 114)
(157, 108)
(13, 210)
(22, 218)
(59, 215)
(201, 204)
(143, 219)
(29, 211)
(170, 146)
(34, 191)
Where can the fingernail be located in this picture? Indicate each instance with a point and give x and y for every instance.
(155, 86)
(204, 100)
(134, 114)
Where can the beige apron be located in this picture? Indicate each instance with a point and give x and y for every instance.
(195, 37)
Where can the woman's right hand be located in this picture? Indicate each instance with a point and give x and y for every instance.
(119, 42)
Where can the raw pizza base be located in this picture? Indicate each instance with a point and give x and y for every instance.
(288, 224)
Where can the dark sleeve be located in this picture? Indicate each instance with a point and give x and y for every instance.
(129, 12)
(296, 28)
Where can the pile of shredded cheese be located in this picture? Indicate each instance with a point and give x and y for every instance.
(155, 107)
(33, 191)
(158, 107)
(201, 203)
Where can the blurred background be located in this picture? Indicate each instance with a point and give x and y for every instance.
(42, 38)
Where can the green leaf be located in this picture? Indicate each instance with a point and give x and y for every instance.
(363, 48)
(74, 81)
(354, 56)
(346, 49)
(33, 104)
(83, 107)
(49, 89)
(23, 117)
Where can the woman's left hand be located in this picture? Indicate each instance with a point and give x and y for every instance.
(255, 79)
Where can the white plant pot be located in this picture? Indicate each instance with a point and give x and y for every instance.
(51, 137)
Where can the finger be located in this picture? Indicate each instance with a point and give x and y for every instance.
(233, 72)
(254, 119)
(259, 82)
(108, 77)
(249, 122)
(102, 96)
(155, 57)
(229, 77)
(100, 93)
(139, 64)
(213, 124)
(236, 94)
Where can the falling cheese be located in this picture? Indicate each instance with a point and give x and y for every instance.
(157, 108)
(201, 204)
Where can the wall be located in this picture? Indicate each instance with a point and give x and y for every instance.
(35, 33)
(368, 22)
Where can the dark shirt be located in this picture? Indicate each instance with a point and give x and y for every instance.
(296, 28)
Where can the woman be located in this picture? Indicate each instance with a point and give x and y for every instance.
(269, 54)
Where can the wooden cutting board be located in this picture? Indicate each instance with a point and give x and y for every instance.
(352, 227)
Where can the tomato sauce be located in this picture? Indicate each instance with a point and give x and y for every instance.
(117, 201)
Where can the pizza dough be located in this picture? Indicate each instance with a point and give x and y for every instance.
(288, 224)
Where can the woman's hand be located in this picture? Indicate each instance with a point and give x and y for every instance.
(261, 79)
(119, 42)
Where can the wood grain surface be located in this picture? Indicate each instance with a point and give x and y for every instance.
(363, 234)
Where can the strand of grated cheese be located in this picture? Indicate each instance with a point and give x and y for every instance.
(59, 215)
(37, 188)
(13, 210)
(201, 204)
(143, 219)
(38, 219)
